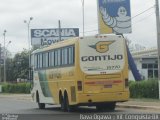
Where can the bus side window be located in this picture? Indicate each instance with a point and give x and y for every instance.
(64, 56)
(35, 61)
(50, 59)
(40, 60)
(47, 57)
(71, 55)
(44, 60)
(59, 57)
(56, 57)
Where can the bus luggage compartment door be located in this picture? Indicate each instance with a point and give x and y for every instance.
(101, 83)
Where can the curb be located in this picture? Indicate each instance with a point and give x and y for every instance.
(138, 107)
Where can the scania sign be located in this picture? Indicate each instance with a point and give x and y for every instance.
(50, 36)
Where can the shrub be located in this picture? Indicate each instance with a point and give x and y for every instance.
(144, 89)
(16, 88)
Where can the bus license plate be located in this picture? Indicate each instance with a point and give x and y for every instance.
(107, 86)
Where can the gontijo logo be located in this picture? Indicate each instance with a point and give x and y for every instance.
(102, 46)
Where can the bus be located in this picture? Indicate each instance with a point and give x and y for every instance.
(82, 71)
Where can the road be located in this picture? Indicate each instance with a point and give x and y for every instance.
(27, 110)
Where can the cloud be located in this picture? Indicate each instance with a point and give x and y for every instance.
(46, 14)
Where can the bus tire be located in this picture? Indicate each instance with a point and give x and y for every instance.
(40, 105)
(61, 99)
(68, 107)
(106, 106)
(110, 106)
(100, 107)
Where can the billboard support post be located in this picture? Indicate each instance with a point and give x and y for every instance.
(0, 64)
(59, 29)
(83, 15)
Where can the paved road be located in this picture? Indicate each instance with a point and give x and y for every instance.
(27, 110)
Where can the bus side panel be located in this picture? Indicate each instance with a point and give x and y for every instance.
(40, 88)
(60, 79)
(53, 85)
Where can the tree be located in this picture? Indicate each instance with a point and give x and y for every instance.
(17, 67)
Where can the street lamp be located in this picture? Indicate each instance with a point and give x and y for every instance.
(28, 26)
(6, 56)
(4, 52)
(7, 47)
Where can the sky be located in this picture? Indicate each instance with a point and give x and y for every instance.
(46, 14)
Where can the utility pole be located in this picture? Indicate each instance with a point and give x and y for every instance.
(4, 52)
(83, 14)
(158, 41)
(0, 64)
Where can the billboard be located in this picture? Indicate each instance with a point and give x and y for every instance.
(50, 36)
(114, 16)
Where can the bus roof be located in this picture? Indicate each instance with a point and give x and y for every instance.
(72, 41)
(57, 45)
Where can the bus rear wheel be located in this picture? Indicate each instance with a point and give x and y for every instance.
(100, 107)
(106, 106)
(68, 107)
(111, 106)
(62, 102)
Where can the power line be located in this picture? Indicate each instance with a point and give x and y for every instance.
(143, 18)
(131, 18)
(143, 12)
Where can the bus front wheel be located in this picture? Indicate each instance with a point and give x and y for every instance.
(40, 105)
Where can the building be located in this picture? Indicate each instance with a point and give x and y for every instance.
(147, 63)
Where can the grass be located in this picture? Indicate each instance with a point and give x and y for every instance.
(145, 99)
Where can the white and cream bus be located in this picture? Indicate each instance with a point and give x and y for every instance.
(90, 71)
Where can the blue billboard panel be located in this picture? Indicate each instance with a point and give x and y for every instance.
(114, 16)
